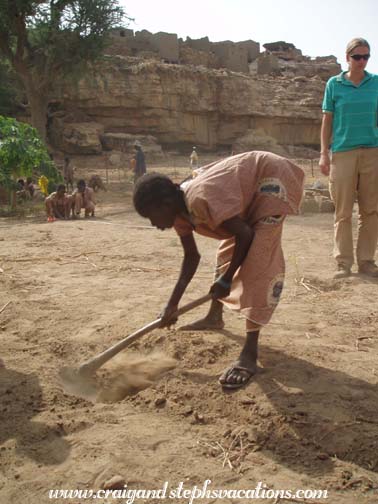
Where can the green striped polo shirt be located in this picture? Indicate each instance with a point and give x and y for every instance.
(355, 112)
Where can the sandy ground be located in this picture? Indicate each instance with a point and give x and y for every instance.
(308, 420)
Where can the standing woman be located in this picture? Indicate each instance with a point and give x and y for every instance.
(350, 130)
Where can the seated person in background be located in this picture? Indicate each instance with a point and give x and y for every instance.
(23, 190)
(96, 183)
(20, 184)
(58, 204)
(83, 197)
(20, 189)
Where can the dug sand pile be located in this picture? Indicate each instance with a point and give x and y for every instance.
(129, 374)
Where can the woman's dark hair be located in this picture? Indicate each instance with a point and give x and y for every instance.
(151, 190)
(60, 187)
(81, 183)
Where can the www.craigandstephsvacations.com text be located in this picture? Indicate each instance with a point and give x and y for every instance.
(188, 494)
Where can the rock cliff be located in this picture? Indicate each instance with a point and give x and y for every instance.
(185, 104)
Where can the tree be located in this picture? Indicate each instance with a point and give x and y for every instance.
(46, 40)
(9, 90)
(22, 154)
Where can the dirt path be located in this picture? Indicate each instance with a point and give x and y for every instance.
(308, 421)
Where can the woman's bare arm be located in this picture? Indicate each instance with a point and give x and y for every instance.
(189, 266)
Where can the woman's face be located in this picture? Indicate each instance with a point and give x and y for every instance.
(162, 217)
(359, 63)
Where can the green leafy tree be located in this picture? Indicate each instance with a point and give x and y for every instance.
(22, 154)
(49, 40)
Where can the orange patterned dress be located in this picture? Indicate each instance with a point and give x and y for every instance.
(261, 188)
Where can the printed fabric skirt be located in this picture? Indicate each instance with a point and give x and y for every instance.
(257, 285)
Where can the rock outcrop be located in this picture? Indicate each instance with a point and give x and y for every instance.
(317, 199)
(124, 142)
(78, 137)
(281, 58)
(242, 56)
(183, 104)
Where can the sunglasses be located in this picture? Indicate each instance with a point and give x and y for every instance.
(358, 57)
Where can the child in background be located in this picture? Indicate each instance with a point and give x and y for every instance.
(43, 183)
(58, 204)
(83, 197)
(194, 158)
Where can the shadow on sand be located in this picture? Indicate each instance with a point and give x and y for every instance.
(21, 399)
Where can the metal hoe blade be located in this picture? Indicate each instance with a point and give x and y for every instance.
(74, 382)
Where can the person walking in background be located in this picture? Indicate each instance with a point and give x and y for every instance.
(194, 158)
(350, 132)
(140, 162)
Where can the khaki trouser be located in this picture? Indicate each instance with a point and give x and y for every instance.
(355, 171)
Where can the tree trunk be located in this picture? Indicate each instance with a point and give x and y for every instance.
(38, 103)
(38, 110)
(35, 86)
(13, 199)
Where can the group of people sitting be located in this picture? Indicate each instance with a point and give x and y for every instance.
(61, 205)
(25, 190)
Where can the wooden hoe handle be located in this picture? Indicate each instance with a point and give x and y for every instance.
(91, 365)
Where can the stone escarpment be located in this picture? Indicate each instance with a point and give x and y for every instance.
(277, 58)
(181, 105)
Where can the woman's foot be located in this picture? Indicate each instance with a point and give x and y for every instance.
(212, 321)
(238, 374)
(241, 371)
(206, 323)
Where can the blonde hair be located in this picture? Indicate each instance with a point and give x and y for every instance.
(356, 42)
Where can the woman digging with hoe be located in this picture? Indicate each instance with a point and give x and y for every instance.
(242, 201)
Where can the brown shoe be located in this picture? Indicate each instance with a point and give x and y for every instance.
(342, 271)
(368, 268)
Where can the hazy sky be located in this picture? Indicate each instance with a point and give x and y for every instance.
(316, 27)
